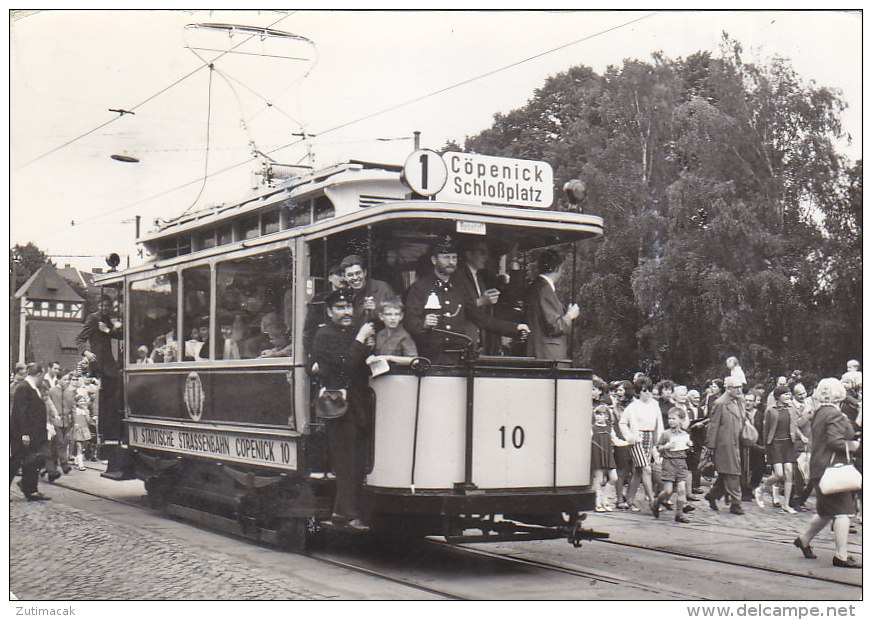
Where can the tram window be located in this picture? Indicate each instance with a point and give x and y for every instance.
(195, 317)
(225, 235)
(255, 307)
(270, 222)
(153, 318)
(207, 240)
(250, 227)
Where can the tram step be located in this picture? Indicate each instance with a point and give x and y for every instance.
(223, 524)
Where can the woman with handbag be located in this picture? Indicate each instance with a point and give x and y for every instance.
(832, 439)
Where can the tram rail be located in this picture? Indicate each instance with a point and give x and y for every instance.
(519, 559)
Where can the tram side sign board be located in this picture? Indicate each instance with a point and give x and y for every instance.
(248, 448)
(481, 179)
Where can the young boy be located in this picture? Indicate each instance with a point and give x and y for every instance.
(393, 339)
(673, 445)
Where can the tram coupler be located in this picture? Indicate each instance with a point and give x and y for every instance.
(576, 533)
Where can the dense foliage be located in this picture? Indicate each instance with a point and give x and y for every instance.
(732, 225)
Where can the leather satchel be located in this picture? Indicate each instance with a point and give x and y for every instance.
(840, 477)
(331, 404)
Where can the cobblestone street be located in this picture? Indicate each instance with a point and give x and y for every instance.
(58, 552)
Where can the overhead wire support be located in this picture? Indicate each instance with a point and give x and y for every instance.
(138, 105)
(337, 127)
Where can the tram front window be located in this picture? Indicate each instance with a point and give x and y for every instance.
(254, 307)
(195, 320)
(153, 319)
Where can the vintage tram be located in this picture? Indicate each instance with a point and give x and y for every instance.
(217, 413)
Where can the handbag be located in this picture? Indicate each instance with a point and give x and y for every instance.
(840, 477)
(749, 434)
(331, 404)
(706, 466)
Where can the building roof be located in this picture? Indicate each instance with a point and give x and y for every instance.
(50, 341)
(47, 284)
(77, 276)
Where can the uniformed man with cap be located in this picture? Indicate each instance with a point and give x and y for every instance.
(434, 301)
(339, 352)
(316, 315)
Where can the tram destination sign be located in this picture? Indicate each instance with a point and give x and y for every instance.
(482, 179)
(240, 447)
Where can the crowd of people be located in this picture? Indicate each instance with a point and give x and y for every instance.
(746, 443)
(53, 423)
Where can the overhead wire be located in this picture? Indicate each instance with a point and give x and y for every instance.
(208, 139)
(141, 103)
(383, 111)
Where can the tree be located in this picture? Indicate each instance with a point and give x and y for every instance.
(713, 176)
(24, 261)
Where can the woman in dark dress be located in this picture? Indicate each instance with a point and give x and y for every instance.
(779, 431)
(831, 435)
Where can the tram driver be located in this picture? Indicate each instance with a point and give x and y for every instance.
(438, 302)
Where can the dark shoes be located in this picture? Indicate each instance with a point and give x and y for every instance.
(655, 509)
(681, 518)
(851, 562)
(688, 508)
(692, 498)
(806, 549)
(736, 509)
(53, 476)
(39, 497)
(711, 501)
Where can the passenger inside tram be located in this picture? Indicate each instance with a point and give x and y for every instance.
(487, 276)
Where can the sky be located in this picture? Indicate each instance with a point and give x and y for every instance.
(342, 79)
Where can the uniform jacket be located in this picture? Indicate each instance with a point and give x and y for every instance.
(549, 327)
(830, 429)
(28, 418)
(722, 436)
(770, 422)
(457, 313)
(98, 342)
(341, 365)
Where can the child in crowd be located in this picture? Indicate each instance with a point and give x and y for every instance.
(393, 339)
(673, 446)
(81, 432)
(602, 460)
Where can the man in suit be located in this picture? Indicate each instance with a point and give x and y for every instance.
(482, 288)
(549, 321)
(722, 440)
(437, 301)
(28, 434)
